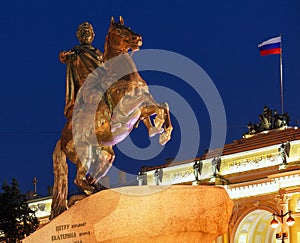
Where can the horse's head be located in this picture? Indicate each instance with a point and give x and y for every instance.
(121, 38)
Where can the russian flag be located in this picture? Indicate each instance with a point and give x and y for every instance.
(271, 46)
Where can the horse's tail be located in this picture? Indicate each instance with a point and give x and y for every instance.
(60, 187)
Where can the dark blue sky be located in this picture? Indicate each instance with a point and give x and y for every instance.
(219, 36)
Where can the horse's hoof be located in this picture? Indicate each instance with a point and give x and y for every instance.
(154, 131)
(163, 138)
(165, 106)
(74, 199)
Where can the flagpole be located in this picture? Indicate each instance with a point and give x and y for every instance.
(281, 81)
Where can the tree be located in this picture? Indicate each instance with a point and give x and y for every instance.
(17, 220)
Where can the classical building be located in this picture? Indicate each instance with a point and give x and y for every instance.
(261, 173)
(42, 208)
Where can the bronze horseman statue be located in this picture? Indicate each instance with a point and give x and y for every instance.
(111, 84)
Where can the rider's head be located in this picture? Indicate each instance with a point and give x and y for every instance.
(85, 33)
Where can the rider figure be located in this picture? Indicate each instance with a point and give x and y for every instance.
(81, 61)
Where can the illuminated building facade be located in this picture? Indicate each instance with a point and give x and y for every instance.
(42, 208)
(261, 177)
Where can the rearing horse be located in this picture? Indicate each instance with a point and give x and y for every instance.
(112, 101)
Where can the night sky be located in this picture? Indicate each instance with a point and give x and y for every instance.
(220, 37)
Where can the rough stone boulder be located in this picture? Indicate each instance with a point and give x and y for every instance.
(178, 213)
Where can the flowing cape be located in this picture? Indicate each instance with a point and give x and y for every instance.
(83, 60)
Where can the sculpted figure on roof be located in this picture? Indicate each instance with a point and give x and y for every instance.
(269, 119)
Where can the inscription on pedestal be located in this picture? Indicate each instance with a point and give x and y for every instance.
(70, 231)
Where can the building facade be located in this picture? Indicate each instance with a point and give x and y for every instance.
(261, 173)
(42, 208)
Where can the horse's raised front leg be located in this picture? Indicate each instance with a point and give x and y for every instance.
(152, 108)
(152, 130)
(162, 121)
(166, 119)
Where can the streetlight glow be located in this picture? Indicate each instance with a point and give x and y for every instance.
(290, 220)
(274, 224)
